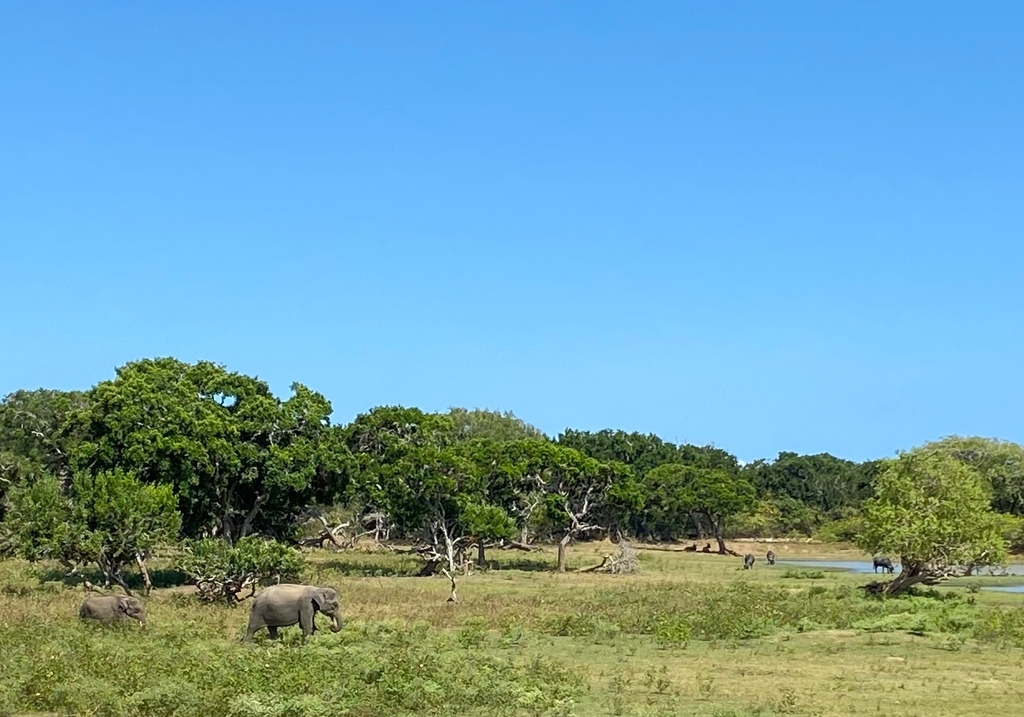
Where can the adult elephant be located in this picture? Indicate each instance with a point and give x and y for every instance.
(110, 609)
(284, 605)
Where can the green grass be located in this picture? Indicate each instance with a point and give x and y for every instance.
(691, 635)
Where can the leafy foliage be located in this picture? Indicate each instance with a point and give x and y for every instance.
(490, 425)
(223, 572)
(933, 511)
(109, 519)
(239, 459)
(1000, 464)
(33, 442)
(710, 496)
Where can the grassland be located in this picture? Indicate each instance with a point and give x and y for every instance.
(690, 635)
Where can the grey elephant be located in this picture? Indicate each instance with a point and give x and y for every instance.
(112, 609)
(748, 561)
(285, 604)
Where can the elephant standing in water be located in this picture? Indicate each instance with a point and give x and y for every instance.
(284, 605)
(110, 609)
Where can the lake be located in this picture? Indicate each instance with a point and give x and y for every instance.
(866, 566)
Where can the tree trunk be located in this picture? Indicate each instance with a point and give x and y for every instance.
(481, 560)
(145, 573)
(911, 574)
(716, 526)
(698, 525)
(257, 505)
(561, 552)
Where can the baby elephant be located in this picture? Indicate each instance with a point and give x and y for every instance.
(770, 556)
(748, 561)
(284, 605)
(111, 609)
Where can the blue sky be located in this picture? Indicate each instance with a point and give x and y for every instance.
(767, 226)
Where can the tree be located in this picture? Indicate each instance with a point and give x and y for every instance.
(240, 460)
(1000, 464)
(581, 495)
(109, 519)
(709, 495)
(32, 441)
(224, 572)
(933, 511)
(492, 425)
(823, 482)
(639, 451)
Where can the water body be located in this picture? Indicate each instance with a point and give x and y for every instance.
(854, 566)
(863, 566)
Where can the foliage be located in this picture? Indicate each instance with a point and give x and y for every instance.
(32, 440)
(822, 481)
(933, 512)
(239, 459)
(710, 495)
(1000, 464)
(223, 572)
(844, 530)
(639, 451)
(490, 425)
(110, 519)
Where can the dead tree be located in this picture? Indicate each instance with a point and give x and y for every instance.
(626, 562)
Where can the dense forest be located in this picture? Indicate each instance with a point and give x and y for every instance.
(171, 452)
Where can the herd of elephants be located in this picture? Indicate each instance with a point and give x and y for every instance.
(277, 606)
(285, 605)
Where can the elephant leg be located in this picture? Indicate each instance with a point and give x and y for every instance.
(273, 632)
(255, 624)
(306, 622)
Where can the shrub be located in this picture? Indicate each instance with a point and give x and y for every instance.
(223, 572)
(844, 530)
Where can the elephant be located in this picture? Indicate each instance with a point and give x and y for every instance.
(286, 604)
(884, 563)
(770, 557)
(748, 561)
(110, 609)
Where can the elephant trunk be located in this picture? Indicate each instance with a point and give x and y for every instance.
(335, 622)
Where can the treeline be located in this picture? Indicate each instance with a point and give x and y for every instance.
(171, 450)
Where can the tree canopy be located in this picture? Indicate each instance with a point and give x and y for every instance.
(239, 459)
(933, 512)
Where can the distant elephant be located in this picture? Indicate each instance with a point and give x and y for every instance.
(284, 605)
(748, 561)
(110, 609)
(884, 563)
(770, 557)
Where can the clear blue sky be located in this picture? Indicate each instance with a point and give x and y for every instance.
(767, 226)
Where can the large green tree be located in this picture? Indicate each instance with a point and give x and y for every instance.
(239, 459)
(708, 496)
(933, 512)
(108, 519)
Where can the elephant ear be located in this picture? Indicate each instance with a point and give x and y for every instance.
(122, 605)
(316, 596)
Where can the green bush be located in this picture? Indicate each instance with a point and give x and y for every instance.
(844, 530)
(223, 572)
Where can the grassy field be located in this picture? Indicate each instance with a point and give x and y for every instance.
(690, 635)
